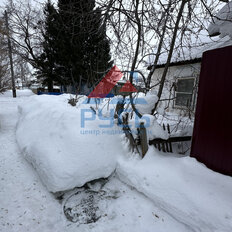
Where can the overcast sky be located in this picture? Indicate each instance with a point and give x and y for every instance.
(3, 2)
(204, 37)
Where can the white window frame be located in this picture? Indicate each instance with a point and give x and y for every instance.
(192, 93)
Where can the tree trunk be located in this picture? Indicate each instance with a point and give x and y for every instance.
(50, 85)
(170, 53)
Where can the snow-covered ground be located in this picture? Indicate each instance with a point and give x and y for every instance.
(183, 187)
(25, 204)
(162, 192)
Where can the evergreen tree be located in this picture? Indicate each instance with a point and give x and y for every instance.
(46, 62)
(97, 49)
(75, 47)
(84, 50)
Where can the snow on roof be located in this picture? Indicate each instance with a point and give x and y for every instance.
(222, 23)
(222, 42)
(193, 53)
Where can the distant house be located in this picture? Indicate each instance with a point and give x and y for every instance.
(182, 78)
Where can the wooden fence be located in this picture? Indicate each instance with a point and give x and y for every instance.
(161, 144)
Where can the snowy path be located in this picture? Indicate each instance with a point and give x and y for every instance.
(24, 201)
(26, 205)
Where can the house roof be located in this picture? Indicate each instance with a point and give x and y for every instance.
(192, 55)
(221, 25)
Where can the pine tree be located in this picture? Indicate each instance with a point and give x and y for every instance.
(75, 47)
(46, 62)
(84, 50)
(97, 49)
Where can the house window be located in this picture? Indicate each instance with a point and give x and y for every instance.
(184, 92)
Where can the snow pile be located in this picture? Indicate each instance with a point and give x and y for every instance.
(154, 130)
(222, 23)
(145, 103)
(65, 155)
(69, 146)
(183, 187)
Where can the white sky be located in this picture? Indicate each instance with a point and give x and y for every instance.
(204, 38)
(3, 2)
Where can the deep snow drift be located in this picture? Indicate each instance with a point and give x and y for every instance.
(183, 187)
(64, 154)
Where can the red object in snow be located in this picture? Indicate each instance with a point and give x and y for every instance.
(212, 135)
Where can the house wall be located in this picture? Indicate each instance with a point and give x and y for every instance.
(175, 72)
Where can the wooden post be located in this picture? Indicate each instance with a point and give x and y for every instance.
(143, 136)
(119, 109)
(167, 147)
(168, 126)
(164, 145)
(159, 146)
(10, 56)
(129, 134)
(164, 128)
(170, 144)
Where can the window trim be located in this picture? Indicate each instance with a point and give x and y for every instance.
(192, 93)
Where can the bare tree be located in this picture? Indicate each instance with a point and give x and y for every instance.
(137, 29)
(155, 28)
(26, 26)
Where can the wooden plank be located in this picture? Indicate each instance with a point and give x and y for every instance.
(158, 145)
(167, 146)
(171, 140)
(119, 109)
(143, 138)
(168, 129)
(170, 147)
(179, 139)
(163, 147)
